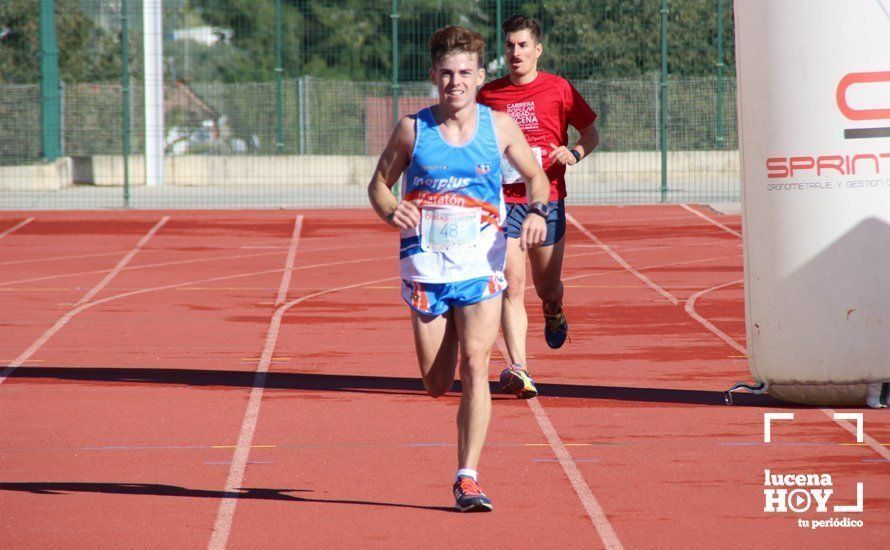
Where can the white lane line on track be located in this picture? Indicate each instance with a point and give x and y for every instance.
(303, 251)
(712, 220)
(178, 262)
(57, 258)
(289, 265)
(134, 267)
(173, 286)
(656, 266)
(869, 440)
(80, 305)
(16, 227)
(226, 513)
(690, 310)
(4, 374)
(667, 295)
(123, 262)
(569, 467)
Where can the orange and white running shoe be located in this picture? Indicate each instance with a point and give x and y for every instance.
(516, 380)
(469, 496)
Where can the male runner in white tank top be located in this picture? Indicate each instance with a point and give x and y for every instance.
(452, 215)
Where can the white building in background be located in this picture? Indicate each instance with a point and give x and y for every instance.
(206, 35)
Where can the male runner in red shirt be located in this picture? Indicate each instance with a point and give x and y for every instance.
(543, 105)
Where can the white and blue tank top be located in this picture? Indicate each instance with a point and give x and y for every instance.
(458, 190)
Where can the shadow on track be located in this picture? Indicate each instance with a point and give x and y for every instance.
(214, 379)
(154, 489)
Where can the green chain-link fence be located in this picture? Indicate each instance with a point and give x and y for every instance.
(238, 132)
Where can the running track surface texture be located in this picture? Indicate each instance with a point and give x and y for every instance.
(248, 379)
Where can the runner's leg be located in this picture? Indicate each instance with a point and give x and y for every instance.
(435, 341)
(514, 319)
(477, 328)
(547, 273)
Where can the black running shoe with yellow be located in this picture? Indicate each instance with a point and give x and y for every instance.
(469, 496)
(518, 381)
(556, 328)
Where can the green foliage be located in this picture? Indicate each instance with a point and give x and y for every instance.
(86, 52)
(352, 39)
(622, 38)
(611, 49)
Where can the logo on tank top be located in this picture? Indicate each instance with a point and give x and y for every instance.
(440, 184)
(483, 168)
(524, 114)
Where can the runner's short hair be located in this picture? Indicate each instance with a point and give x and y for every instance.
(452, 40)
(518, 23)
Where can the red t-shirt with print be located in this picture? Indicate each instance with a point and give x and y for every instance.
(543, 108)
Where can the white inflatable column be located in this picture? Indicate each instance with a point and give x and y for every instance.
(814, 117)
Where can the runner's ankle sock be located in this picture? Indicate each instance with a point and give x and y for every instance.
(467, 472)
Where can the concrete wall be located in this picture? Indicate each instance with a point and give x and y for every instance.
(645, 167)
(210, 171)
(37, 177)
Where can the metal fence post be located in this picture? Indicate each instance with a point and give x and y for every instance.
(307, 112)
(49, 81)
(395, 72)
(395, 61)
(500, 20)
(664, 140)
(656, 96)
(301, 138)
(279, 108)
(125, 108)
(62, 94)
(720, 64)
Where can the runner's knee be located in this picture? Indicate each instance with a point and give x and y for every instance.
(474, 370)
(515, 286)
(436, 387)
(514, 292)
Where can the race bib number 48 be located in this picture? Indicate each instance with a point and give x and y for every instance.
(443, 229)
(510, 174)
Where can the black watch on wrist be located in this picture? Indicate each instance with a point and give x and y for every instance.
(540, 209)
(576, 154)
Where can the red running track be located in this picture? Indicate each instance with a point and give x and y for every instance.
(247, 379)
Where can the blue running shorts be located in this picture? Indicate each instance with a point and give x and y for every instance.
(437, 298)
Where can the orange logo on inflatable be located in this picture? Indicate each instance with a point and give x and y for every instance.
(861, 78)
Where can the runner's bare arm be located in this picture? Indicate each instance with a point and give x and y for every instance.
(393, 161)
(537, 188)
(587, 141)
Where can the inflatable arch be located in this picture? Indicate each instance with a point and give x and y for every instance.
(814, 129)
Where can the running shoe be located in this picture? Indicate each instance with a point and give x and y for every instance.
(469, 496)
(556, 328)
(516, 380)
